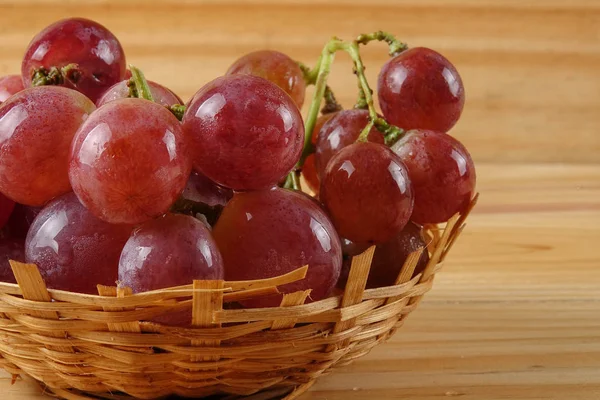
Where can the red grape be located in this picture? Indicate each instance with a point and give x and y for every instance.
(419, 88)
(21, 219)
(269, 233)
(10, 249)
(37, 126)
(128, 162)
(161, 94)
(244, 132)
(72, 248)
(441, 171)
(309, 170)
(341, 131)
(6, 209)
(275, 67)
(9, 85)
(96, 51)
(367, 193)
(351, 249)
(389, 258)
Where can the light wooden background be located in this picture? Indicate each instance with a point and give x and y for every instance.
(515, 314)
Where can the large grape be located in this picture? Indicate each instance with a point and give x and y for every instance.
(419, 88)
(98, 55)
(341, 131)
(9, 85)
(72, 248)
(6, 209)
(244, 132)
(10, 249)
(275, 67)
(441, 171)
(37, 127)
(128, 161)
(272, 232)
(367, 193)
(162, 95)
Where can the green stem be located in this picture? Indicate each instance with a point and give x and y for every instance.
(139, 85)
(396, 46)
(292, 181)
(56, 76)
(310, 77)
(178, 110)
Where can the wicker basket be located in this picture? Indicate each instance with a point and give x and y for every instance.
(83, 346)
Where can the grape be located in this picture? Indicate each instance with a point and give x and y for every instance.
(9, 85)
(351, 249)
(419, 88)
(21, 219)
(275, 67)
(309, 170)
(72, 248)
(441, 171)
(269, 233)
(161, 94)
(6, 209)
(244, 132)
(10, 249)
(341, 131)
(367, 193)
(201, 195)
(37, 126)
(128, 162)
(389, 258)
(96, 51)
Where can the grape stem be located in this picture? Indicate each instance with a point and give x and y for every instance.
(178, 110)
(292, 181)
(138, 85)
(396, 46)
(55, 75)
(331, 103)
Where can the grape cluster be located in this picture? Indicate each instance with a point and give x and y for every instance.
(108, 178)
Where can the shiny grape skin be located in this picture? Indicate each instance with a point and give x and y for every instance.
(389, 258)
(91, 46)
(243, 132)
(341, 131)
(72, 248)
(275, 67)
(128, 161)
(419, 88)
(37, 126)
(21, 219)
(367, 193)
(9, 85)
(272, 232)
(10, 249)
(309, 169)
(6, 209)
(442, 174)
(162, 95)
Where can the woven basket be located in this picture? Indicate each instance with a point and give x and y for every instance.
(82, 346)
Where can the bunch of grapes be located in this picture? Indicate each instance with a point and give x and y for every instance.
(108, 178)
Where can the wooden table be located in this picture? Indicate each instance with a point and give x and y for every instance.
(515, 313)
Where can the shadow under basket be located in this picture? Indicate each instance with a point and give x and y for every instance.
(99, 347)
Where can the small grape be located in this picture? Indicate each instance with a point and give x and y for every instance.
(367, 193)
(244, 132)
(351, 249)
(128, 161)
(269, 233)
(340, 131)
(420, 89)
(72, 248)
(441, 171)
(275, 67)
(6, 209)
(10, 249)
(37, 127)
(161, 94)
(9, 85)
(94, 49)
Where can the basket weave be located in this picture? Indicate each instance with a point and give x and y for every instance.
(82, 346)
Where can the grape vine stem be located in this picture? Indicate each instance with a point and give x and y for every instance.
(138, 85)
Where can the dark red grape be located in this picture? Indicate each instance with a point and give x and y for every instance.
(269, 233)
(309, 170)
(441, 171)
(367, 192)
(351, 249)
(9, 85)
(389, 258)
(419, 88)
(21, 219)
(128, 161)
(275, 67)
(340, 131)
(244, 132)
(96, 51)
(37, 126)
(72, 248)
(161, 94)
(6, 209)
(10, 249)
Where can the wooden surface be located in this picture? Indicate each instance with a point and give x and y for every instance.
(515, 313)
